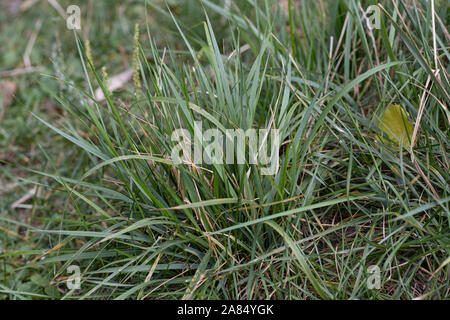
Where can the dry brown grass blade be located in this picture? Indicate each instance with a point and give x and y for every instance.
(423, 101)
(414, 138)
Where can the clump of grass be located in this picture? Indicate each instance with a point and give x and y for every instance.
(342, 201)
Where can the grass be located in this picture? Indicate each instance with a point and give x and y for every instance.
(141, 227)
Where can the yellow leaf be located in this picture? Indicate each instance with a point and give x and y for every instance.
(396, 126)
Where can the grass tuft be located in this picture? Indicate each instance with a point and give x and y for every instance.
(141, 226)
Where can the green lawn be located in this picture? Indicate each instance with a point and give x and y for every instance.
(87, 176)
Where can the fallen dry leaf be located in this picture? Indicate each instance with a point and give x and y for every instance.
(20, 203)
(394, 123)
(114, 83)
